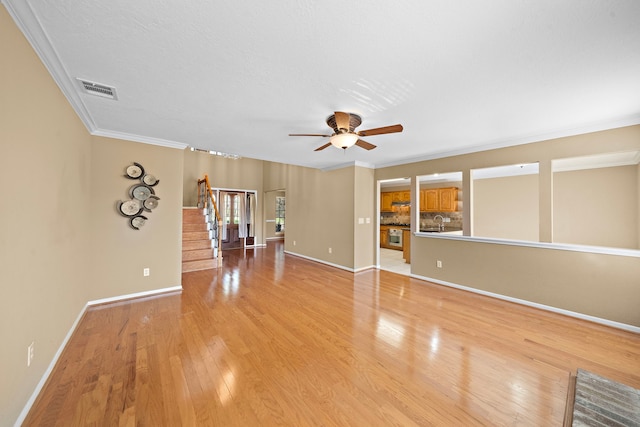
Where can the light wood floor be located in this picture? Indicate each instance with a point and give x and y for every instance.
(272, 339)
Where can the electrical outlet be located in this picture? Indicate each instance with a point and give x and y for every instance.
(439, 264)
(146, 272)
(30, 353)
(446, 219)
(330, 250)
(368, 220)
(294, 243)
(360, 220)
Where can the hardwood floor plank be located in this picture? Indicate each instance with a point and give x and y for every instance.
(273, 339)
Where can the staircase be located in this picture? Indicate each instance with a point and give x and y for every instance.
(197, 247)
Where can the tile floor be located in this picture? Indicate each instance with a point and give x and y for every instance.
(392, 260)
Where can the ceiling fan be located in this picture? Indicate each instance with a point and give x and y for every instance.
(345, 136)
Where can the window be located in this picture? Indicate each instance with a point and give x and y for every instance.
(231, 208)
(280, 210)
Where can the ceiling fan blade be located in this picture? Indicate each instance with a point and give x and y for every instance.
(364, 144)
(309, 134)
(342, 120)
(380, 131)
(323, 147)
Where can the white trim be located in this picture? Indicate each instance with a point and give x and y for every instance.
(255, 246)
(135, 295)
(47, 372)
(635, 253)
(341, 267)
(348, 164)
(569, 313)
(24, 17)
(139, 138)
(525, 139)
(369, 267)
(29, 24)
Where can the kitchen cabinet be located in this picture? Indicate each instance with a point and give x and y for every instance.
(448, 199)
(401, 196)
(406, 246)
(386, 201)
(439, 199)
(384, 237)
(430, 200)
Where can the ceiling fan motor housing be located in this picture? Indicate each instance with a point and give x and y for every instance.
(354, 121)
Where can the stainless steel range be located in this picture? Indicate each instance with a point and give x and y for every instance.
(395, 237)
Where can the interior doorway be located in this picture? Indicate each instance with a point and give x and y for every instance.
(275, 214)
(394, 216)
(231, 219)
(237, 212)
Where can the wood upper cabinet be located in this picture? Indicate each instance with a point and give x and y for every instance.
(439, 199)
(385, 203)
(401, 196)
(448, 199)
(388, 198)
(431, 200)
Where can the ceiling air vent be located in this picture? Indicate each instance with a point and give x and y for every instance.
(93, 88)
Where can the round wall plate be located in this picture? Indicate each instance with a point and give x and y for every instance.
(150, 180)
(150, 203)
(134, 171)
(138, 221)
(130, 207)
(141, 192)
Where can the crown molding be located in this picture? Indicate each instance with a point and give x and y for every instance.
(348, 164)
(29, 24)
(140, 138)
(527, 139)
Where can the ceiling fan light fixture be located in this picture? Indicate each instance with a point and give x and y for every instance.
(344, 140)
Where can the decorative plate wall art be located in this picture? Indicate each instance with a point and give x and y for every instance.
(142, 196)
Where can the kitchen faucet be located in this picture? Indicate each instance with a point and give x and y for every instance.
(441, 221)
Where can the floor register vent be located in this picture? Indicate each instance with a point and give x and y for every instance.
(98, 89)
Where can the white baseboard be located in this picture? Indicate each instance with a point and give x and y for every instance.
(369, 267)
(52, 364)
(550, 308)
(135, 295)
(342, 267)
(47, 372)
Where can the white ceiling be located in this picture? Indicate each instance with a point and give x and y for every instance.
(238, 77)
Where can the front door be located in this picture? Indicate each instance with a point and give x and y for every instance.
(231, 217)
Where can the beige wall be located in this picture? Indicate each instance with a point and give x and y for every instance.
(63, 244)
(600, 285)
(239, 174)
(506, 207)
(323, 208)
(364, 205)
(596, 207)
(604, 286)
(45, 218)
(120, 253)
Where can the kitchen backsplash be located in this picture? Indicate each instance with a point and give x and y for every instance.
(394, 218)
(426, 219)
